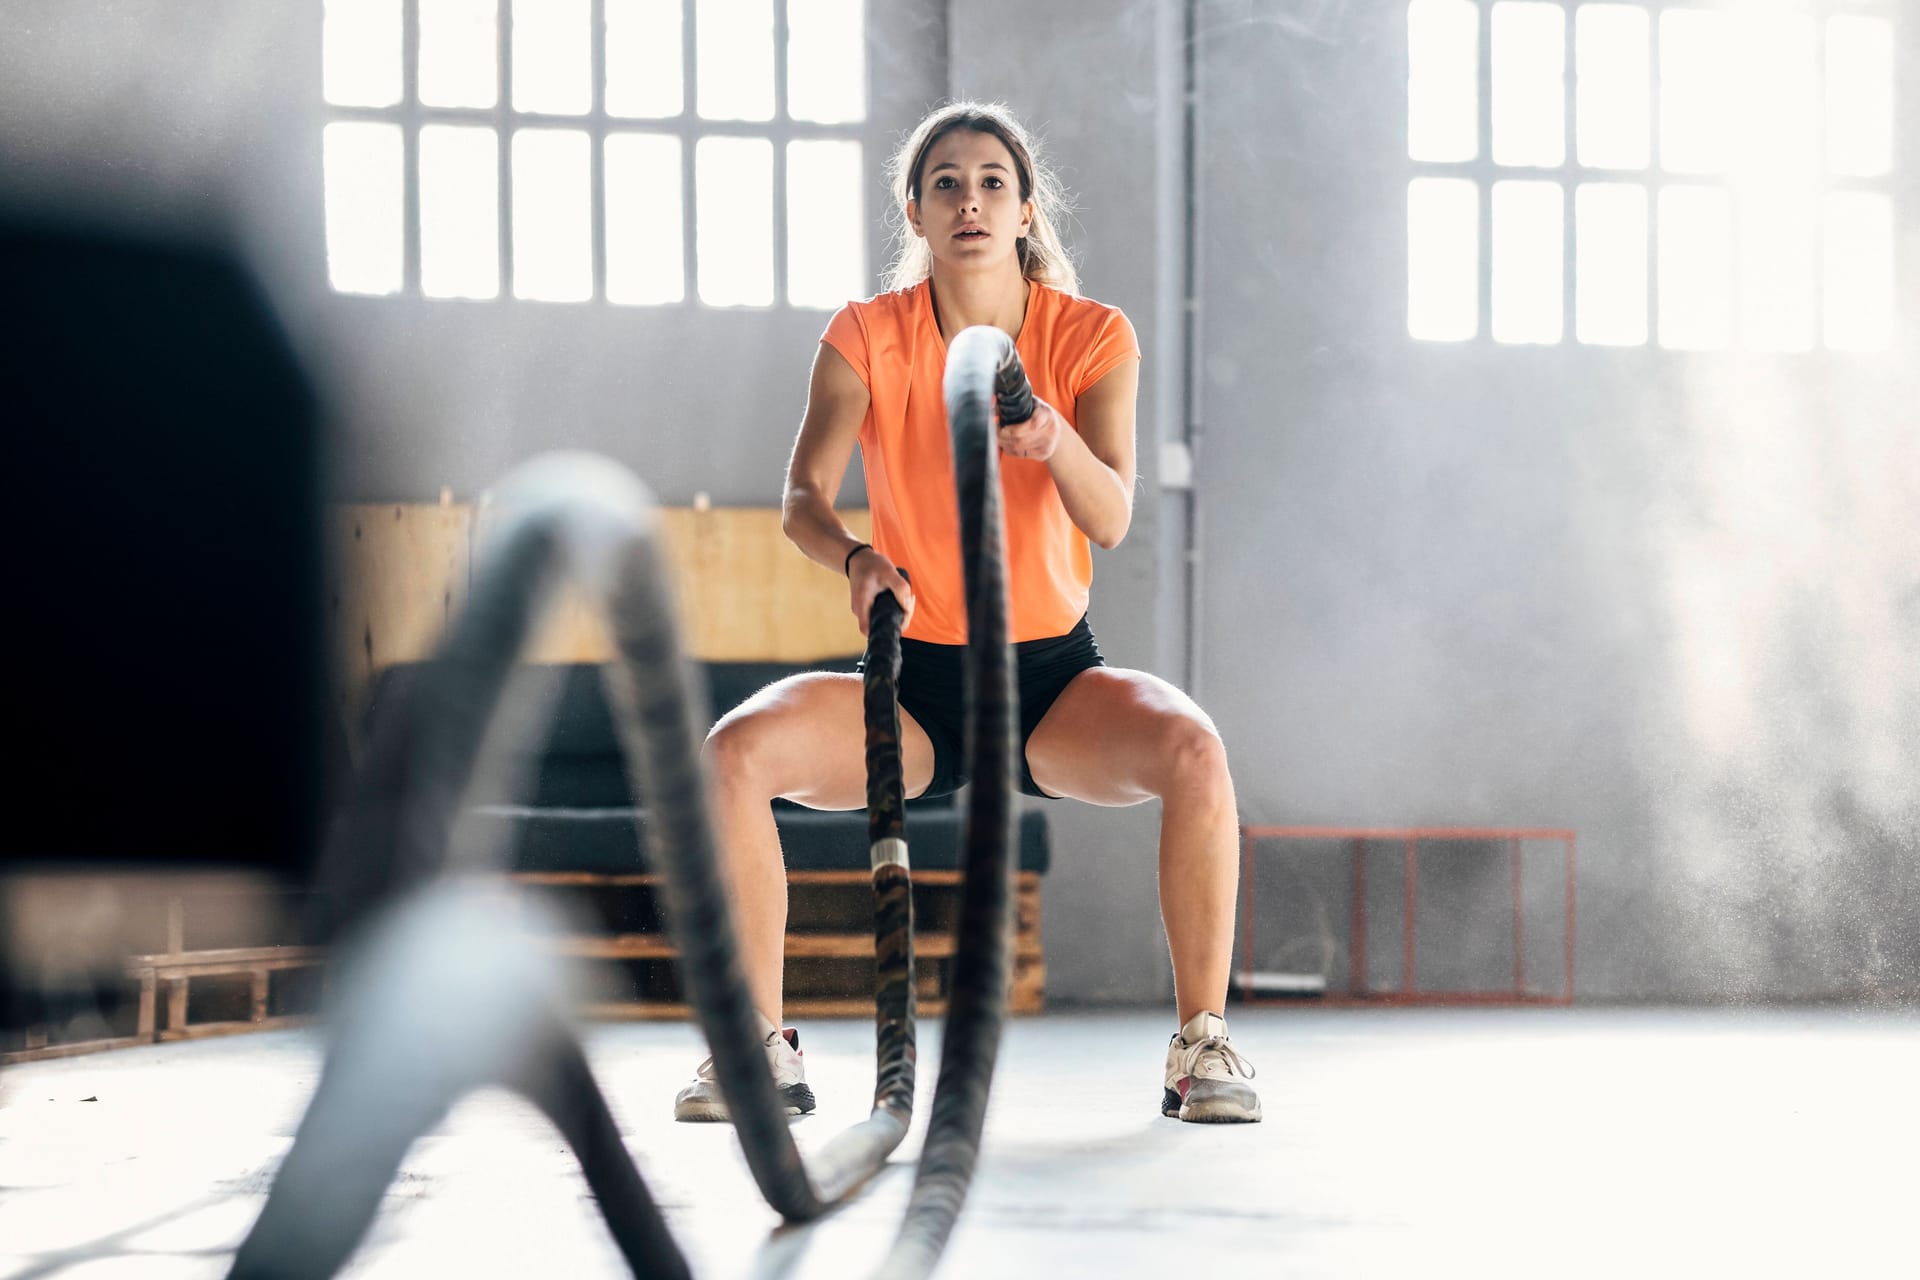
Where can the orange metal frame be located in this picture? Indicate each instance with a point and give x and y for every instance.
(1410, 838)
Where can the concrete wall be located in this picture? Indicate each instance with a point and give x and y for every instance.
(1666, 600)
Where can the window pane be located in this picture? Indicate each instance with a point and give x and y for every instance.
(1529, 257)
(1860, 96)
(360, 53)
(733, 229)
(1443, 80)
(1613, 86)
(826, 61)
(1777, 103)
(645, 231)
(733, 44)
(459, 212)
(1695, 91)
(552, 225)
(826, 251)
(1696, 268)
(1860, 312)
(1443, 259)
(1776, 266)
(459, 53)
(1610, 264)
(361, 164)
(1529, 84)
(644, 63)
(552, 57)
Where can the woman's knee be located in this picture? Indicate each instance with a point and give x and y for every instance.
(735, 753)
(1193, 759)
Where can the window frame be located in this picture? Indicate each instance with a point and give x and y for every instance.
(688, 127)
(1570, 174)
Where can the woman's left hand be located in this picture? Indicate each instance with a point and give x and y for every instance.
(1038, 436)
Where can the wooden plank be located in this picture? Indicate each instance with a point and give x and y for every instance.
(176, 1007)
(396, 573)
(1027, 879)
(74, 1049)
(742, 592)
(148, 985)
(799, 946)
(259, 994)
(799, 1007)
(207, 1030)
(227, 959)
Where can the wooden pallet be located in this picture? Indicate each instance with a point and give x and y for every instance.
(934, 946)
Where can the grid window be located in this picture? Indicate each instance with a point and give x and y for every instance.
(642, 152)
(1692, 174)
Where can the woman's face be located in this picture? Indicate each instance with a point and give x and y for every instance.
(970, 211)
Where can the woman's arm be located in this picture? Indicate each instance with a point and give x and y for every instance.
(1093, 467)
(836, 405)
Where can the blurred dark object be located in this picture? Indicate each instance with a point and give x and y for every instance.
(164, 691)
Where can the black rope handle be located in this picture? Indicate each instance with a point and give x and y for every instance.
(895, 1051)
(1012, 393)
(983, 377)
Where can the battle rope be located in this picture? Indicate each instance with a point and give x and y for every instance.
(984, 380)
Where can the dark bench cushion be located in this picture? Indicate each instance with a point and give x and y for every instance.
(580, 764)
(577, 812)
(609, 840)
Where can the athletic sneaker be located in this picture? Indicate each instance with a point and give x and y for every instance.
(701, 1099)
(1206, 1080)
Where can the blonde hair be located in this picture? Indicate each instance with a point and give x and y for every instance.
(1043, 256)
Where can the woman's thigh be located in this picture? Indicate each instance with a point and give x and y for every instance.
(804, 739)
(1119, 737)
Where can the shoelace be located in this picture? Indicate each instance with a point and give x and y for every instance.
(1191, 1055)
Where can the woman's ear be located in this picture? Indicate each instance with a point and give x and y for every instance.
(913, 218)
(1026, 219)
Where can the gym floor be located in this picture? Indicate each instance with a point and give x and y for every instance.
(1397, 1142)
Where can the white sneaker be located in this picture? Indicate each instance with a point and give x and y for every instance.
(1206, 1081)
(701, 1100)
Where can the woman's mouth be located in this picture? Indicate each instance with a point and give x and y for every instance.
(970, 233)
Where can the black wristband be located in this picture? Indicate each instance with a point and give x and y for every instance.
(847, 567)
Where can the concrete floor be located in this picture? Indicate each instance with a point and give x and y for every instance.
(1396, 1143)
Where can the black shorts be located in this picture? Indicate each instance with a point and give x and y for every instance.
(932, 692)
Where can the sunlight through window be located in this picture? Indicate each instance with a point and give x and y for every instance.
(1613, 86)
(552, 57)
(363, 174)
(459, 212)
(825, 256)
(1443, 85)
(360, 53)
(1610, 264)
(1529, 255)
(826, 74)
(644, 59)
(733, 41)
(1858, 259)
(1529, 83)
(1443, 259)
(1859, 97)
(459, 53)
(552, 215)
(733, 224)
(646, 252)
(1696, 268)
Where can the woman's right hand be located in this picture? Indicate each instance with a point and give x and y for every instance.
(868, 574)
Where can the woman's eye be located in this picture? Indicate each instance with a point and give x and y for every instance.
(994, 183)
(943, 184)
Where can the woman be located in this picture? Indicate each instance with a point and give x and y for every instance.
(980, 248)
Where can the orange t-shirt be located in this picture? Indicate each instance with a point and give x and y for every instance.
(893, 342)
